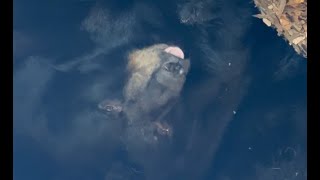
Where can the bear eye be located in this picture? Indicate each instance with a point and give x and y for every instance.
(173, 67)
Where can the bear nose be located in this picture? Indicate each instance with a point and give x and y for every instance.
(176, 51)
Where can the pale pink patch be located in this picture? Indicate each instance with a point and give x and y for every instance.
(176, 51)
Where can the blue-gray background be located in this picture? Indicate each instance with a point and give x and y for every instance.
(241, 115)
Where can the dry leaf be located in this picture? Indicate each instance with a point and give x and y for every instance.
(260, 16)
(295, 2)
(297, 26)
(298, 39)
(285, 22)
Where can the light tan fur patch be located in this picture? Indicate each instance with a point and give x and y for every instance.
(142, 63)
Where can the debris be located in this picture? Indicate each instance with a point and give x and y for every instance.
(229, 64)
(266, 21)
(288, 18)
(234, 112)
(297, 173)
(250, 148)
(276, 168)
